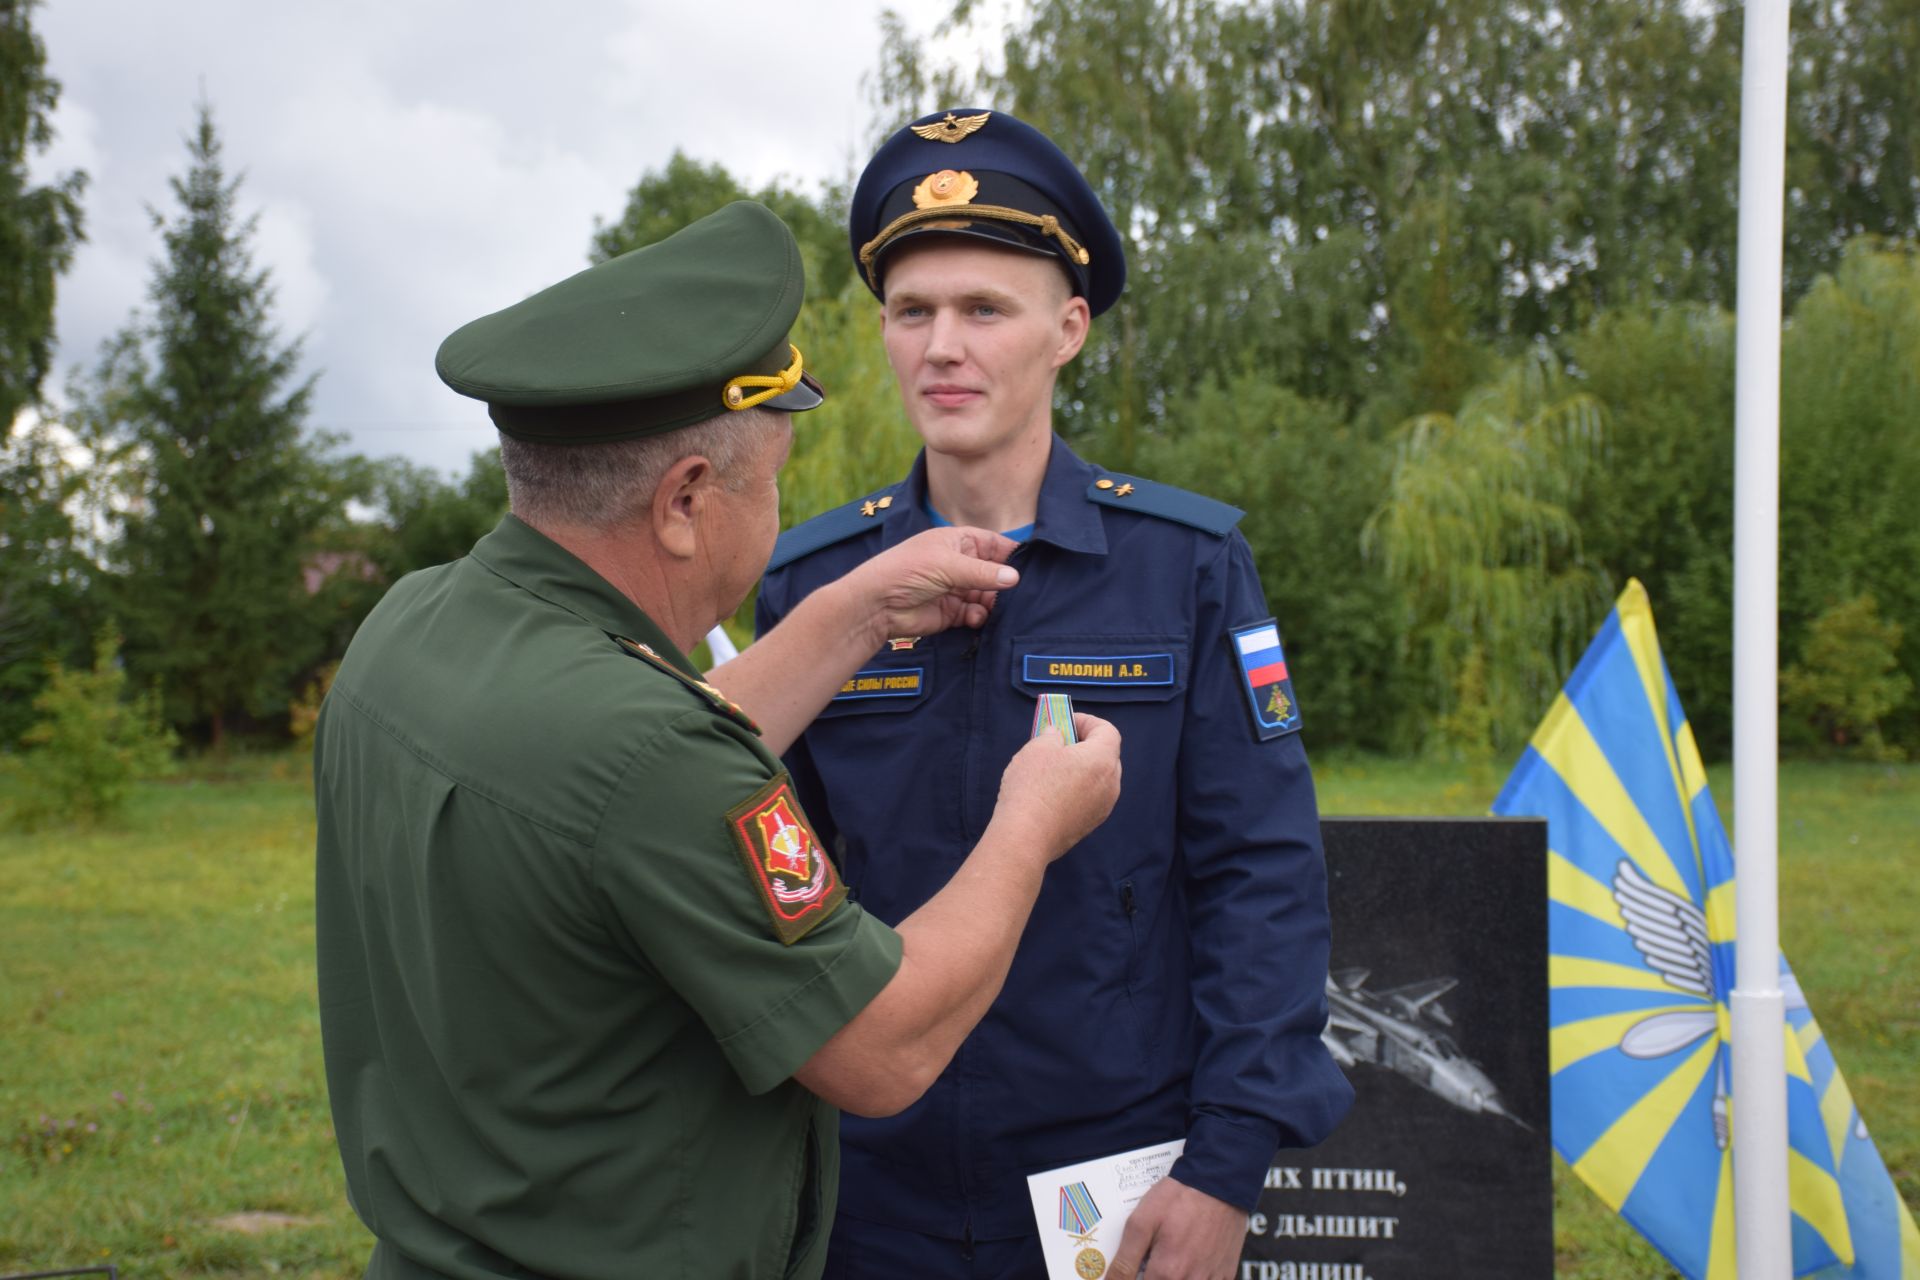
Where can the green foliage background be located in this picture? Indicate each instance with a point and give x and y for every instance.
(40, 223)
(1439, 293)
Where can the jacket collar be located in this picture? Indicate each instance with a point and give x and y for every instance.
(542, 567)
(1063, 517)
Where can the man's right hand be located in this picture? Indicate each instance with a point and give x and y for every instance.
(938, 578)
(1055, 794)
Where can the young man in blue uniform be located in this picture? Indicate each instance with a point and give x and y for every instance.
(1171, 984)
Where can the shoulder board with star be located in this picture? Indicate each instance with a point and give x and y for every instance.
(719, 701)
(1131, 493)
(832, 526)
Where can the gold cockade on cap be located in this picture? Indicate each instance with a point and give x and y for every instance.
(947, 187)
(951, 129)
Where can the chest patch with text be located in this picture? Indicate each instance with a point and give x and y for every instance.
(1121, 670)
(884, 682)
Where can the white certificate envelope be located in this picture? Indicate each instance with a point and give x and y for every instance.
(1082, 1208)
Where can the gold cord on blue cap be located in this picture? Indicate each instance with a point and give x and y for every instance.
(734, 397)
(1047, 223)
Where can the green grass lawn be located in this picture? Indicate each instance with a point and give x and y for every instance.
(160, 1055)
(160, 1060)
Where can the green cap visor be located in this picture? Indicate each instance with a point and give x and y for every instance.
(807, 394)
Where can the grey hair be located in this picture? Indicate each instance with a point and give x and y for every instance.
(604, 485)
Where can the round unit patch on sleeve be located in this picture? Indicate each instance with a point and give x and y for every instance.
(795, 879)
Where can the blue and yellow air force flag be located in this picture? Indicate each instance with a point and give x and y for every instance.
(1640, 935)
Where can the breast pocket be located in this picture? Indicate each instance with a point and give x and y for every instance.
(1104, 668)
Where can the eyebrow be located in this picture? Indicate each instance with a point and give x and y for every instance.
(998, 298)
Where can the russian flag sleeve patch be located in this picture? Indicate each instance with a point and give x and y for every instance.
(1263, 674)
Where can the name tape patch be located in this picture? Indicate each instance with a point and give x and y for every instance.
(887, 682)
(1109, 669)
(796, 881)
(1263, 673)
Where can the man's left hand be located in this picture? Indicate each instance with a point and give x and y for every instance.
(1178, 1233)
(936, 579)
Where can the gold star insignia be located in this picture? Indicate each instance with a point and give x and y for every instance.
(950, 129)
(867, 508)
(949, 186)
(1123, 491)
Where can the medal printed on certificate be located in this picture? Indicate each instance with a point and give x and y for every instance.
(1083, 1208)
(1053, 713)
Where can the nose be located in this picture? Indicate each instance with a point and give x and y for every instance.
(944, 343)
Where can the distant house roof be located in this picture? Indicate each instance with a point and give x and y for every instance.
(319, 566)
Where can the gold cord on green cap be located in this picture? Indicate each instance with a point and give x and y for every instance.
(735, 397)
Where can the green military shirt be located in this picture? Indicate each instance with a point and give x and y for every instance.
(574, 939)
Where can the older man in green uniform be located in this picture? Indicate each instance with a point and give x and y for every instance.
(590, 988)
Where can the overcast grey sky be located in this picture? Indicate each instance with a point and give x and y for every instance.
(416, 163)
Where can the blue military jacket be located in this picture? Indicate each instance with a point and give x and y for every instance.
(1172, 980)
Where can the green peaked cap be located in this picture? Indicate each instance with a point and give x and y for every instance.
(650, 341)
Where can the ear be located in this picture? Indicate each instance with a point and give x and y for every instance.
(678, 502)
(1075, 320)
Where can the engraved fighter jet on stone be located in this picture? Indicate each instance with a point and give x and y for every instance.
(1401, 1030)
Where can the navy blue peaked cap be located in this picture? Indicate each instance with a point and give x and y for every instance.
(986, 175)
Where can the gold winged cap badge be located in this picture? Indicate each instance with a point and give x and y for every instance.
(951, 129)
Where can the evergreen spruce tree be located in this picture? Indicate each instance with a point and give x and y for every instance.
(212, 594)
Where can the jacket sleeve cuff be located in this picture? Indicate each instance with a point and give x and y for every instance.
(1227, 1159)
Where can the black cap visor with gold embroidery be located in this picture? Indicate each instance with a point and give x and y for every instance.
(664, 337)
(1000, 209)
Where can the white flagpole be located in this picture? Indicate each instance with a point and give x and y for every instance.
(1761, 1204)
